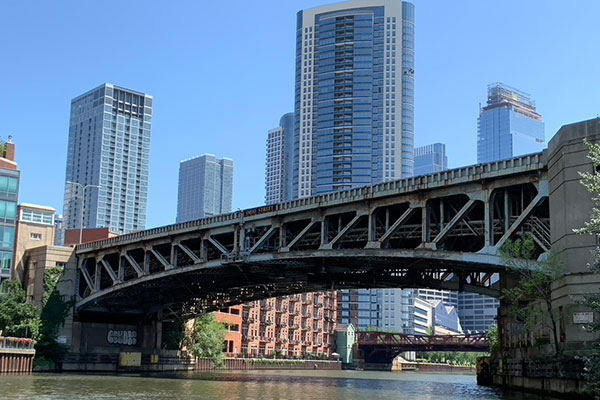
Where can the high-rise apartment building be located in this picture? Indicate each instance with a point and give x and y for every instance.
(278, 166)
(9, 193)
(508, 126)
(430, 159)
(354, 110)
(108, 159)
(354, 95)
(205, 187)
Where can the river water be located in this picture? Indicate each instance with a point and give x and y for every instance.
(263, 385)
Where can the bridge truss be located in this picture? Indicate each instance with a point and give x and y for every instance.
(440, 231)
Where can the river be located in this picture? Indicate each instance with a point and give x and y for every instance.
(263, 385)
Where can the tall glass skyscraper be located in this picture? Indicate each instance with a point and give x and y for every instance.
(508, 126)
(354, 114)
(354, 95)
(279, 163)
(108, 160)
(205, 187)
(430, 159)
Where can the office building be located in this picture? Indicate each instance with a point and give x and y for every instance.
(508, 126)
(354, 95)
(9, 194)
(477, 313)
(446, 319)
(448, 297)
(108, 160)
(430, 159)
(279, 163)
(205, 187)
(59, 235)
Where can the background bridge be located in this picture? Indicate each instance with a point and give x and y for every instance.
(440, 231)
(383, 347)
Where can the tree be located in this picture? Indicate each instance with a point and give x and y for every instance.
(18, 317)
(173, 335)
(592, 183)
(493, 336)
(531, 297)
(54, 312)
(430, 331)
(207, 337)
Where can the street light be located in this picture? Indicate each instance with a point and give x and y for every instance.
(83, 188)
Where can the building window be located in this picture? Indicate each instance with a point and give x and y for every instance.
(35, 236)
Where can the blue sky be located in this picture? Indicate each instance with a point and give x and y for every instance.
(222, 74)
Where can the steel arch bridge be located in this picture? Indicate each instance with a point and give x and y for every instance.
(439, 231)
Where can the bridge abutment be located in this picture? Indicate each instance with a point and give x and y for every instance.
(527, 360)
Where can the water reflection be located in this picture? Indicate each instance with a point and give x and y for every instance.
(264, 385)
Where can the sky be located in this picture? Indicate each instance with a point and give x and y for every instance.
(222, 74)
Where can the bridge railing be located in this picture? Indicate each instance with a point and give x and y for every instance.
(443, 178)
(399, 339)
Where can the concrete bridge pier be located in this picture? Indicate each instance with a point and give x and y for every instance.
(528, 358)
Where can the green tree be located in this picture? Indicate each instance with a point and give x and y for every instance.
(54, 312)
(531, 297)
(493, 336)
(207, 337)
(173, 335)
(591, 181)
(18, 317)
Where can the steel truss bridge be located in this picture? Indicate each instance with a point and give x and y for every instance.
(398, 342)
(439, 231)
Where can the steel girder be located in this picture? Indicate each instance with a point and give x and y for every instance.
(440, 231)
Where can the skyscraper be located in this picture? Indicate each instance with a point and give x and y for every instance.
(508, 126)
(108, 160)
(354, 111)
(278, 165)
(205, 187)
(354, 95)
(431, 158)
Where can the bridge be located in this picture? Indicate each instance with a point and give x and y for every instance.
(440, 231)
(383, 347)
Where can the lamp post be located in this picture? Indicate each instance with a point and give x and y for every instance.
(83, 188)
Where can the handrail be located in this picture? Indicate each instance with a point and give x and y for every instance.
(7, 342)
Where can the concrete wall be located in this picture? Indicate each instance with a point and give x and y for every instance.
(570, 207)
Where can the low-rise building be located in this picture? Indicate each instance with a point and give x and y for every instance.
(295, 325)
(35, 228)
(232, 319)
(36, 261)
(346, 342)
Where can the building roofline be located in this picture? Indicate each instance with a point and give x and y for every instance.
(106, 84)
(30, 205)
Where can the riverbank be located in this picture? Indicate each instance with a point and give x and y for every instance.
(244, 364)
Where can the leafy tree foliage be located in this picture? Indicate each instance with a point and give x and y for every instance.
(207, 337)
(452, 358)
(173, 335)
(18, 317)
(532, 296)
(592, 227)
(54, 312)
(493, 336)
